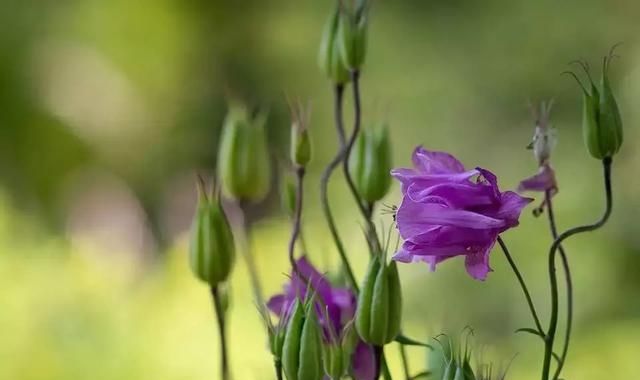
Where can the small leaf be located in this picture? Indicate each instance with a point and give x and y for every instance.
(530, 331)
(421, 375)
(411, 342)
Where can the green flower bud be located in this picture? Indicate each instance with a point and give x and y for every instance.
(352, 35)
(212, 250)
(300, 140)
(302, 348)
(379, 304)
(329, 58)
(276, 341)
(337, 351)
(243, 159)
(370, 163)
(601, 121)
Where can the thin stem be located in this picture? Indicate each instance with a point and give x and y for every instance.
(405, 361)
(523, 285)
(224, 358)
(553, 323)
(297, 216)
(324, 187)
(245, 249)
(568, 281)
(372, 237)
(381, 363)
(278, 365)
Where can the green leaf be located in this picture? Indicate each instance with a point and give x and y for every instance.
(530, 331)
(421, 375)
(402, 339)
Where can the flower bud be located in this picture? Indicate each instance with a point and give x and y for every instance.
(335, 359)
(379, 304)
(352, 35)
(601, 121)
(370, 163)
(302, 348)
(329, 58)
(276, 340)
(243, 160)
(212, 250)
(300, 140)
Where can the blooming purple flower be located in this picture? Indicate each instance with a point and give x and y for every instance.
(447, 211)
(340, 309)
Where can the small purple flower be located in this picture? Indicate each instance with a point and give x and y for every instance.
(447, 211)
(340, 308)
(543, 180)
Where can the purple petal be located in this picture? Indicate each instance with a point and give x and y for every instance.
(278, 304)
(457, 194)
(317, 280)
(431, 162)
(363, 363)
(410, 176)
(543, 180)
(414, 218)
(511, 206)
(477, 264)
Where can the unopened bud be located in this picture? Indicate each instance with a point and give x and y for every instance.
(352, 34)
(379, 304)
(302, 348)
(370, 163)
(212, 250)
(243, 160)
(300, 139)
(329, 58)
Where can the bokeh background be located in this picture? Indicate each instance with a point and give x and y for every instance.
(108, 108)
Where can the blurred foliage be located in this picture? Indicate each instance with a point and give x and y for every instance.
(108, 108)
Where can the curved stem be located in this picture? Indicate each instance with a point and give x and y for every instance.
(372, 237)
(224, 359)
(553, 323)
(324, 187)
(245, 249)
(523, 285)
(568, 282)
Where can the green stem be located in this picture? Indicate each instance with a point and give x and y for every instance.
(278, 366)
(224, 358)
(523, 285)
(324, 187)
(405, 361)
(297, 216)
(372, 237)
(553, 322)
(245, 249)
(568, 282)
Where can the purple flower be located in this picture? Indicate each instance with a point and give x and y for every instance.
(447, 211)
(340, 308)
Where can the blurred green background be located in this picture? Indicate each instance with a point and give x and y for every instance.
(108, 108)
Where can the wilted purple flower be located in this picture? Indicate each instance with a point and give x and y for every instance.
(447, 212)
(340, 306)
(544, 140)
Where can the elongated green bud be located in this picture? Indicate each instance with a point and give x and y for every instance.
(352, 36)
(212, 250)
(243, 159)
(601, 121)
(329, 58)
(302, 348)
(370, 163)
(379, 304)
(300, 140)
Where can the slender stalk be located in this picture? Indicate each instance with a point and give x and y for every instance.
(523, 285)
(381, 363)
(405, 361)
(372, 237)
(324, 187)
(568, 281)
(297, 216)
(553, 322)
(245, 249)
(224, 358)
